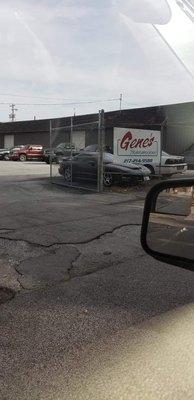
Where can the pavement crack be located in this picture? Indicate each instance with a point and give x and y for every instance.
(60, 243)
(79, 253)
(27, 241)
(97, 237)
(22, 287)
(6, 230)
(18, 271)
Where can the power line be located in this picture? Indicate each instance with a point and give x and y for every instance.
(42, 97)
(64, 104)
(32, 97)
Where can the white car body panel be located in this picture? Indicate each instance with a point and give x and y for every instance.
(168, 168)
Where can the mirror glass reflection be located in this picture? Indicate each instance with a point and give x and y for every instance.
(171, 222)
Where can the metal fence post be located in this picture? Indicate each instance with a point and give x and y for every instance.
(101, 150)
(71, 133)
(50, 151)
(161, 143)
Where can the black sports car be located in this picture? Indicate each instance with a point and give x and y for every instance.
(84, 166)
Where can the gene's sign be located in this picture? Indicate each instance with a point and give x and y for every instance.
(137, 145)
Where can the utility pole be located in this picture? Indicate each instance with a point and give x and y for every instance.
(12, 115)
(71, 137)
(101, 139)
(120, 101)
(50, 140)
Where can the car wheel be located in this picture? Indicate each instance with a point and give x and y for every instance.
(107, 179)
(47, 161)
(22, 157)
(67, 174)
(6, 157)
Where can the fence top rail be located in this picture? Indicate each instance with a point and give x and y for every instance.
(74, 126)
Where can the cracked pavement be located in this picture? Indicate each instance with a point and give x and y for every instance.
(93, 317)
(48, 235)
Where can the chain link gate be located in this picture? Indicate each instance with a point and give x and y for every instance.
(76, 154)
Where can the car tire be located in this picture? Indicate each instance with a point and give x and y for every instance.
(150, 168)
(47, 161)
(6, 157)
(67, 174)
(22, 157)
(107, 179)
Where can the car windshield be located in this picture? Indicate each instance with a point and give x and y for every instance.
(66, 146)
(110, 37)
(92, 147)
(103, 86)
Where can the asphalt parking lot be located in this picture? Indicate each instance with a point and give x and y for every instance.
(29, 168)
(92, 317)
(33, 169)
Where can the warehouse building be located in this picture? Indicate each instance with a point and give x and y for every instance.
(175, 121)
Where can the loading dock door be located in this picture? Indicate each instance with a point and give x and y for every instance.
(8, 141)
(78, 138)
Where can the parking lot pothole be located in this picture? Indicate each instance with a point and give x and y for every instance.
(6, 294)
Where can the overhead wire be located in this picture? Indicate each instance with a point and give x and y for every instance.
(63, 104)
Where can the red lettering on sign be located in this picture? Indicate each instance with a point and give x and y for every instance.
(133, 143)
(129, 142)
(146, 142)
(151, 141)
(139, 142)
(125, 141)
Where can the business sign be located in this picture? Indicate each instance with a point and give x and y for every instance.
(137, 145)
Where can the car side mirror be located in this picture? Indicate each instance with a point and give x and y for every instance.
(167, 232)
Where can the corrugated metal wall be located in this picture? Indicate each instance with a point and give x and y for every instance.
(179, 134)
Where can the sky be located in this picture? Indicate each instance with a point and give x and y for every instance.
(65, 57)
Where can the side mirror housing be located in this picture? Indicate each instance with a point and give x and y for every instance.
(167, 232)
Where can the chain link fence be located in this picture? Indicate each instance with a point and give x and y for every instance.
(79, 156)
(72, 162)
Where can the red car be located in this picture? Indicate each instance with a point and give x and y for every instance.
(27, 152)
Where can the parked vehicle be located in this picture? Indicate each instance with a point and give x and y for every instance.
(84, 166)
(170, 165)
(61, 151)
(188, 154)
(95, 147)
(27, 152)
(4, 154)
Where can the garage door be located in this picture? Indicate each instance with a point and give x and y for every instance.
(78, 138)
(8, 141)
